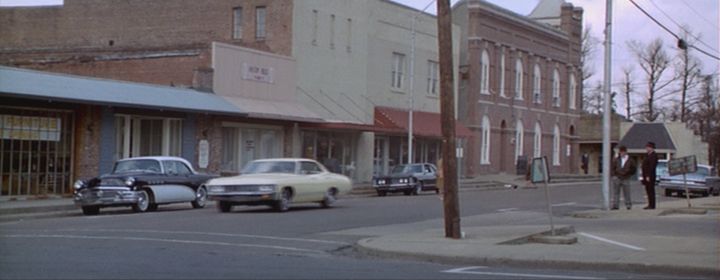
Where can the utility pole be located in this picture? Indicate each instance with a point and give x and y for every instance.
(606, 151)
(447, 114)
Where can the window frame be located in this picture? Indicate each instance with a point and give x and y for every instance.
(537, 84)
(237, 32)
(433, 78)
(519, 76)
(556, 88)
(485, 137)
(398, 71)
(485, 73)
(260, 23)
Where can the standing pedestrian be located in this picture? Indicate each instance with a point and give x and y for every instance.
(585, 159)
(623, 169)
(649, 174)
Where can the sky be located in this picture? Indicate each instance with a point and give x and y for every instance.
(701, 16)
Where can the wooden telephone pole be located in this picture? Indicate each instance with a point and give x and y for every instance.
(447, 113)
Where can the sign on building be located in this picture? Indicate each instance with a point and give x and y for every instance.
(29, 128)
(257, 73)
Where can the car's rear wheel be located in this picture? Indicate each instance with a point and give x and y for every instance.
(668, 192)
(143, 204)
(283, 204)
(381, 193)
(330, 198)
(200, 198)
(91, 210)
(224, 206)
(716, 192)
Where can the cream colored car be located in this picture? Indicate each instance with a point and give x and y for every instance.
(278, 183)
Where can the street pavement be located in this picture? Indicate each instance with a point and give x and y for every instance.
(394, 237)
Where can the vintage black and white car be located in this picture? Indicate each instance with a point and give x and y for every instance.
(143, 183)
(408, 179)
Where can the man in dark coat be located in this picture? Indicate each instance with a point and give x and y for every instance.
(649, 173)
(623, 168)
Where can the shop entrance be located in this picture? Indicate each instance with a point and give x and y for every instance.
(36, 151)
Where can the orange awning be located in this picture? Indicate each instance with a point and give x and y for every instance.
(425, 124)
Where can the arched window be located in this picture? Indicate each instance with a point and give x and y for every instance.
(556, 88)
(485, 73)
(556, 146)
(572, 99)
(502, 73)
(537, 144)
(485, 138)
(519, 79)
(519, 139)
(537, 77)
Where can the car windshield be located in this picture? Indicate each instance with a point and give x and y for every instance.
(257, 167)
(139, 165)
(406, 169)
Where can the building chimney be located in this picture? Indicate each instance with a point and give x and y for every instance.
(203, 79)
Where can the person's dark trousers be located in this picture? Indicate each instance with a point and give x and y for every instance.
(650, 191)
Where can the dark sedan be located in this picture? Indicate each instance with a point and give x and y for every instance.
(143, 183)
(408, 179)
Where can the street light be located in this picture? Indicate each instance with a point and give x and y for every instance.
(412, 84)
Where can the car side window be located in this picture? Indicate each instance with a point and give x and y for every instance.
(307, 167)
(428, 169)
(169, 167)
(182, 169)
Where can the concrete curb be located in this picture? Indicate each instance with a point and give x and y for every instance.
(362, 247)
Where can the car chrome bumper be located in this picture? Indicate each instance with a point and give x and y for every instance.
(395, 187)
(244, 197)
(105, 197)
(681, 187)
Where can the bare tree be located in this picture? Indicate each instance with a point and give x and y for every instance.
(627, 89)
(593, 102)
(687, 70)
(587, 54)
(705, 118)
(653, 60)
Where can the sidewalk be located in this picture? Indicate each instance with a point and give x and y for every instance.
(631, 250)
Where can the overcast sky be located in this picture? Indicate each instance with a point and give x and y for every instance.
(701, 16)
(630, 23)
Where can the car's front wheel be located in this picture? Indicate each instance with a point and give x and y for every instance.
(668, 192)
(381, 193)
(283, 204)
(418, 188)
(143, 204)
(90, 210)
(200, 198)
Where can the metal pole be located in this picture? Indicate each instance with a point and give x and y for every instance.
(549, 205)
(606, 152)
(412, 85)
(412, 93)
(687, 190)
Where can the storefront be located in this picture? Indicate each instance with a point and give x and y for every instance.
(36, 151)
(52, 135)
(391, 146)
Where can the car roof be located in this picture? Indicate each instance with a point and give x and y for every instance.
(160, 158)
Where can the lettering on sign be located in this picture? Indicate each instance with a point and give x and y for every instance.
(29, 128)
(257, 73)
(682, 165)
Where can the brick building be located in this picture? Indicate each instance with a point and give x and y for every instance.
(520, 85)
(320, 72)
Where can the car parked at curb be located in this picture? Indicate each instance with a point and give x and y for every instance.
(143, 183)
(278, 183)
(696, 182)
(408, 179)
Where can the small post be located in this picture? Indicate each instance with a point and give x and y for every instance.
(687, 190)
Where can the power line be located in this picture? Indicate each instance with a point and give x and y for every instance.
(682, 27)
(699, 14)
(669, 31)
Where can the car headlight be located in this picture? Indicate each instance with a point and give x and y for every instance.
(216, 189)
(129, 181)
(381, 182)
(79, 184)
(267, 188)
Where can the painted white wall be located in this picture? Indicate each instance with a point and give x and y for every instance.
(687, 143)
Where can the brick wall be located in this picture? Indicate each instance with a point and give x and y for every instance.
(159, 41)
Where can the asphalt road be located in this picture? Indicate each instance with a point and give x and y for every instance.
(255, 243)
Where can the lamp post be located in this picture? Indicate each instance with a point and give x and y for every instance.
(606, 152)
(412, 84)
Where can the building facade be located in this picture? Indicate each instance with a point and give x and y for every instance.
(306, 75)
(520, 87)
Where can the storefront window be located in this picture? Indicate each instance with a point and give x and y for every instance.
(147, 136)
(36, 151)
(334, 150)
(243, 143)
